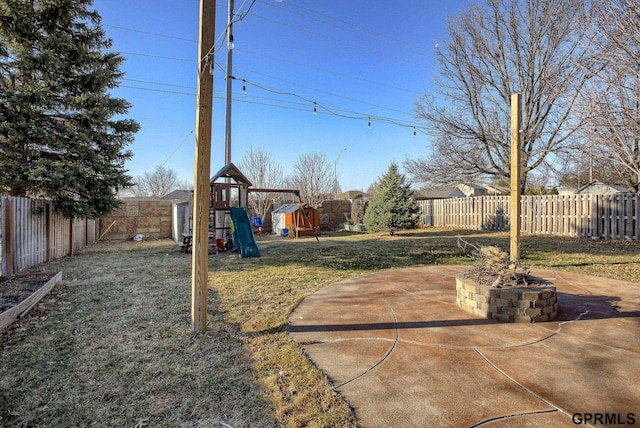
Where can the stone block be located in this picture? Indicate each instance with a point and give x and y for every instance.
(470, 287)
(466, 307)
(546, 294)
(479, 312)
(541, 303)
(533, 311)
(530, 295)
(148, 222)
(509, 311)
(487, 291)
(522, 319)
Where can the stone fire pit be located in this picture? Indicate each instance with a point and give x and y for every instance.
(536, 302)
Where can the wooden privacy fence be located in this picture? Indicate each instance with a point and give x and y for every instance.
(594, 216)
(32, 233)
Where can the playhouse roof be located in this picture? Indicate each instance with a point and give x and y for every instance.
(286, 208)
(231, 171)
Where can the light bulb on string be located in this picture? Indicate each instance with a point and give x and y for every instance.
(369, 124)
(315, 110)
(414, 132)
(244, 87)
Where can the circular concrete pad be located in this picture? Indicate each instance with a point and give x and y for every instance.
(402, 353)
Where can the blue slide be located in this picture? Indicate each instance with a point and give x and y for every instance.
(243, 233)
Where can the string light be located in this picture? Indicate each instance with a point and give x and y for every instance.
(332, 110)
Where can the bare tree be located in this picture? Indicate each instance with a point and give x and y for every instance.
(157, 183)
(264, 172)
(528, 46)
(314, 176)
(612, 101)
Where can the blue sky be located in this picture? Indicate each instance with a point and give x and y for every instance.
(355, 58)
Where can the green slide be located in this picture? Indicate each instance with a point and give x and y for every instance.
(243, 233)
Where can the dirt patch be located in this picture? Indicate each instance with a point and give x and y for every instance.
(14, 290)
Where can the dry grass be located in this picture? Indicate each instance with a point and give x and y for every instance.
(115, 348)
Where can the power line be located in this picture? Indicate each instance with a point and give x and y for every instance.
(327, 71)
(158, 83)
(269, 76)
(329, 110)
(321, 91)
(169, 58)
(176, 149)
(341, 41)
(351, 27)
(150, 33)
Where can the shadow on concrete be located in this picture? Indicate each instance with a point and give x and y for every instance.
(388, 325)
(571, 306)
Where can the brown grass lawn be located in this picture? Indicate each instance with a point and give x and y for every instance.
(112, 346)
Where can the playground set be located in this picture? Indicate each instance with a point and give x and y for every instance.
(229, 225)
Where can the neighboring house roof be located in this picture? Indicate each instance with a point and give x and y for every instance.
(599, 187)
(471, 189)
(353, 194)
(458, 191)
(140, 198)
(434, 192)
(182, 195)
(496, 190)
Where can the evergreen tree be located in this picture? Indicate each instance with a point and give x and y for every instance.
(62, 136)
(393, 207)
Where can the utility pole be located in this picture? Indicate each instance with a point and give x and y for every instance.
(204, 112)
(227, 133)
(335, 171)
(516, 148)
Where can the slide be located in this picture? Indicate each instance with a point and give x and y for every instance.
(243, 233)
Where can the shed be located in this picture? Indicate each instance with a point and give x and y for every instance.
(298, 219)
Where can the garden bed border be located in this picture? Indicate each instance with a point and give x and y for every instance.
(10, 315)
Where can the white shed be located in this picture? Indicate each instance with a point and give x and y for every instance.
(279, 217)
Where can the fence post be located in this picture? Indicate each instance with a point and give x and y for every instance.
(636, 198)
(7, 237)
(71, 236)
(47, 219)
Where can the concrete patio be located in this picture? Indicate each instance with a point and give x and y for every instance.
(401, 352)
